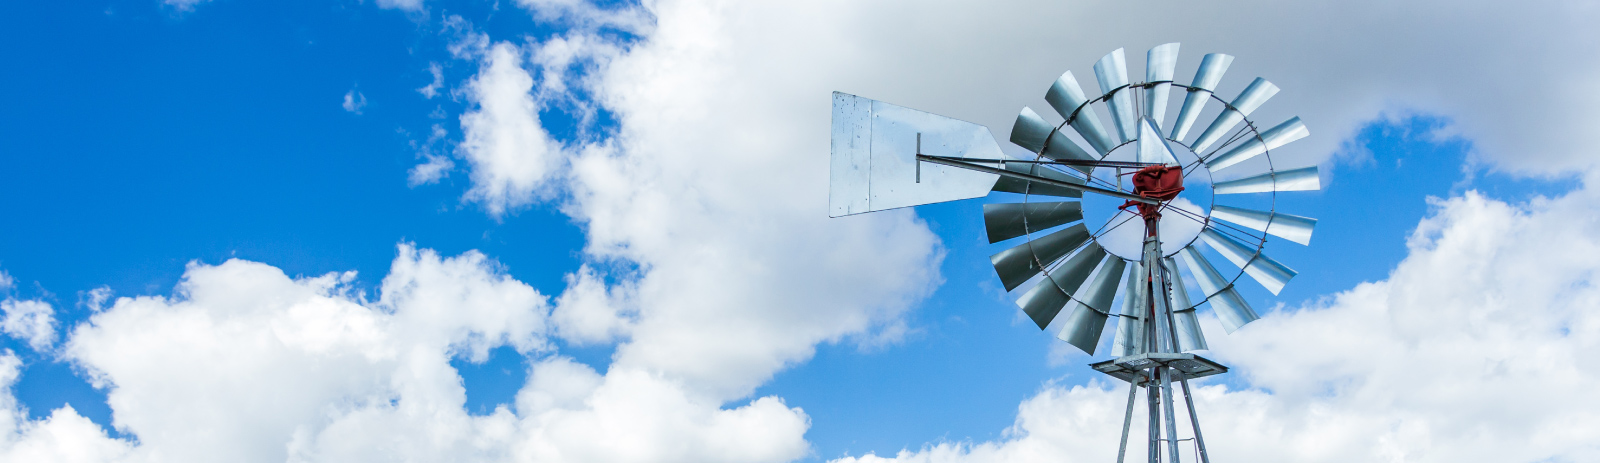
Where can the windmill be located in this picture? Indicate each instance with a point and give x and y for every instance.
(1186, 196)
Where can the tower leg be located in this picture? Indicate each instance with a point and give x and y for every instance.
(1172, 420)
(1194, 419)
(1127, 419)
(1152, 395)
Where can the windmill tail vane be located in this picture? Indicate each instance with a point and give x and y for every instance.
(1173, 184)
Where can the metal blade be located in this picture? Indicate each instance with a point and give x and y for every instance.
(874, 164)
(1034, 134)
(1005, 221)
(1187, 325)
(1271, 139)
(1263, 269)
(1160, 63)
(1046, 299)
(1230, 308)
(1251, 98)
(1302, 179)
(1290, 227)
(1016, 265)
(1066, 96)
(1112, 72)
(1018, 186)
(1135, 301)
(1082, 328)
(1152, 147)
(1205, 80)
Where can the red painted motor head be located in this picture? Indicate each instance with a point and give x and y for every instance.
(1160, 182)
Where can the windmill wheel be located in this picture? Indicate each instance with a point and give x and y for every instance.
(1077, 250)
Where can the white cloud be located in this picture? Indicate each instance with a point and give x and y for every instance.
(31, 320)
(183, 5)
(243, 363)
(713, 187)
(432, 89)
(588, 15)
(512, 156)
(712, 183)
(407, 5)
(437, 165)
(64, 436)
(589, 313)
(354, 101)
(1455, 357)
(413, 6)
(95, 299)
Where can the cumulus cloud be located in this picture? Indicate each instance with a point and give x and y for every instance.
(95, 299)
(243, 363)
(1455, 357)
(590, 313)
(713, 187)
(64, 436)
(407, 5)
(31, 320)
(711, 181)
(432, 89)
(436, 165)
(354, 102)
(183, 5)
(511, 154)
(588, 14)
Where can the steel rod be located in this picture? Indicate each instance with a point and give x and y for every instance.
(1161, 311)
(1127, 418)
(1152, 397)
(1034, 178)
(1056, 162)
(1172, 419)
(1194, 419)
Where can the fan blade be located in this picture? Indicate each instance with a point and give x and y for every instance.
(1290, 227)
(1160, 63)
(1005, 221)
(1225, 301)
(1153, 148)
(1046, 299)
(1251, 98)
(1016, 265)
(1034, 134)
(1275, 137)
(1082, 328)
(1302, 179)
(1263, 269)
(1187, 325)
(1066, 97)
(1112, 73)
(1205, 80)
(1135, 302)
(1024, 187)
(873, 165)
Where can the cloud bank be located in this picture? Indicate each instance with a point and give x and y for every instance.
(712, 265)
(244, 363)
(1455, 357)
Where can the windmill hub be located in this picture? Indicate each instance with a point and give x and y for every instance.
(1124, 226)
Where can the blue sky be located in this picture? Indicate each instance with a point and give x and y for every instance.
(144, 144)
